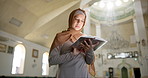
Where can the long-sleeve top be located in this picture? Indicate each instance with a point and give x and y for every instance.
(70, 65)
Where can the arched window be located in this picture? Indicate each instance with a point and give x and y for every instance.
(45, 64)
(18, 59)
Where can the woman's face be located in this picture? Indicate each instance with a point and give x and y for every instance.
(78, 21)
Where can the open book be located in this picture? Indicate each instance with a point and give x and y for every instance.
(98, 42)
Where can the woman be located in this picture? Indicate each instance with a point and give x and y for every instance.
(72, 62)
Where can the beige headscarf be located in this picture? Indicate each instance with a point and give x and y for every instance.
(72, 35)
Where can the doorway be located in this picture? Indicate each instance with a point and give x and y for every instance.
(137, 72)
(124, 72)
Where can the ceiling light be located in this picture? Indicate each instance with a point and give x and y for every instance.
(125, 0)
(16, 22)
(96, 3)
(101, 4)
(110, 5)
(118, 2)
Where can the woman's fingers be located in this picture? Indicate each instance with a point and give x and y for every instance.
(95, 44)
(86, 44)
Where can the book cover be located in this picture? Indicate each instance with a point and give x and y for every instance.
(98, 42)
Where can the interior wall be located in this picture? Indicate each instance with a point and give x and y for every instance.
(102, 63)
(126, 30)
(6, 59)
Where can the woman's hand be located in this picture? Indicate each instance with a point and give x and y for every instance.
(85, 46)
(88, 45)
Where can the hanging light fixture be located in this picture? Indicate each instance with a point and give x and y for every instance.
(116, 43)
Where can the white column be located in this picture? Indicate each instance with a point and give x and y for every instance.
(141, 36)
(98, 30)
(86, 29)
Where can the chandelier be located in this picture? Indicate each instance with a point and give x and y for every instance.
(116, 42)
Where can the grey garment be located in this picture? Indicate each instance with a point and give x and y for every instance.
(70, 65)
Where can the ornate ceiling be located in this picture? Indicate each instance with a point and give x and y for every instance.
(112, 11)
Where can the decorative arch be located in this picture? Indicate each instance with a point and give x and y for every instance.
(123, 67)
(124, 64)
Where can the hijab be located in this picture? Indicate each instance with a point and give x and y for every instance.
(72, 35)
(69, 34)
